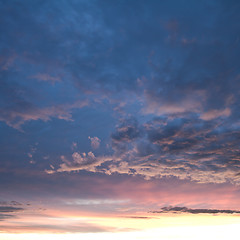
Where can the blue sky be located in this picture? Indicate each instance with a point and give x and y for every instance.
(122, 94)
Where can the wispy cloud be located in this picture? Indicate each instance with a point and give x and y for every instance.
(46, 78)
(16, 117)
(9, 210)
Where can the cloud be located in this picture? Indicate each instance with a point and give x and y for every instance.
(6, 216)
(17, 116)
(184, 146)
(12, 203)
(158, 104)
(95, 142)
(9, 209)
(81, 161)
(46, 77)
(171, 209)
(126, 131)
(215, 114)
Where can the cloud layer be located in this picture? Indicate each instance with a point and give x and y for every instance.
(185, 146)
(9, 210)
(195, 211)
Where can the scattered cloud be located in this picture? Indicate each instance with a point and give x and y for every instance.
(81, 161)
(12, 203)
(186, 147)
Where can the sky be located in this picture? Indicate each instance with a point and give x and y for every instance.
(119, 119)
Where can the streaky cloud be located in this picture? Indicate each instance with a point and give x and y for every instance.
(171, 209)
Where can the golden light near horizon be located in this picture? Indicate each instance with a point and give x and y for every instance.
(220, 232)
(165, 227)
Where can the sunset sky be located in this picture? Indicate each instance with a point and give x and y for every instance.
(119, 119)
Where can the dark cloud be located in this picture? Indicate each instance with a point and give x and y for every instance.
(11, 203)
(127, 131)
(91, 46)
(144, 148)
(194, 211)
(183, 146)
(6, 216)
(10, 209)
(8, 212)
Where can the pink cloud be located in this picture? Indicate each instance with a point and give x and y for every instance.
(189, 103)
(80, 161)
(95, 142)
(15, 118)
(212, 114)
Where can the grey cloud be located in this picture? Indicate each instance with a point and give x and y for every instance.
(81, 161)
(6, 216)
(20, 110)
(144, 148)
(127, 131)
(8, 212)
(11, 207)
(195, 211)
(8, 209)
(11, 203)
